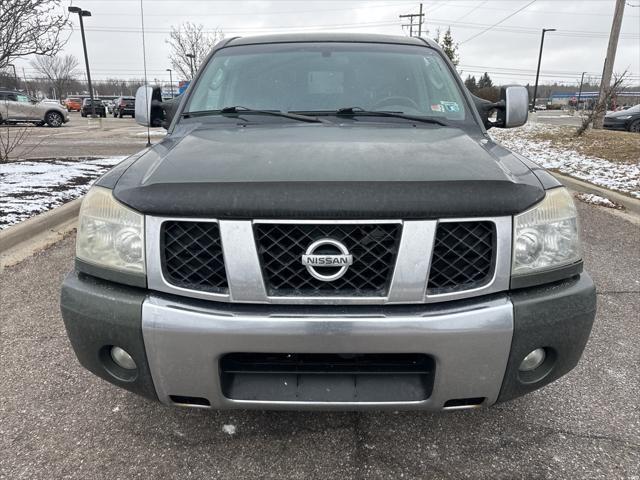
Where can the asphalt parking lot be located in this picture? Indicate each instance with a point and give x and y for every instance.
(556, 117)
(87, 137)
(59, 421)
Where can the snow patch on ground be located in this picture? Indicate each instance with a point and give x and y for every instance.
(31, 187)
(153, 133)
(615, 176)
(598, 200)
(229, 429)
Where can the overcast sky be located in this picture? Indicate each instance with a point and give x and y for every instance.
(509, 51)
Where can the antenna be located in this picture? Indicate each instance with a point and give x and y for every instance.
(146, 90)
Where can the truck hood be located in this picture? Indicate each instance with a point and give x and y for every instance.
(319, 171)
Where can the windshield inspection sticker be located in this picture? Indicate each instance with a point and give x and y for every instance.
(436, 107)
(450, 106)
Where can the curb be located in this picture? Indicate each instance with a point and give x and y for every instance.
(630, 204)
(12, 236)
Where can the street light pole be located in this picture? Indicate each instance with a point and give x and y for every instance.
(170, 81)
(85, 13)
(191, 63)
(15, 75)
(535, 89)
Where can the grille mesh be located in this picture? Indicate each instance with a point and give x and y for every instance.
(463, 256)
(374, 248)
(192, 256)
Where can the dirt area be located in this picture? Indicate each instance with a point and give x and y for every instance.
(619, 147)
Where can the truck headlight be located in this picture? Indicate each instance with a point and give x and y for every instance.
(546, 235)
(109, 234)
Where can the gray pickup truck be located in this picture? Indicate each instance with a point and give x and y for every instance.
(328, 225)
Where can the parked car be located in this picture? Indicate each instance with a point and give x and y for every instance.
(109, 105)
(73, 104)
(350, 238)
(87, 109)
(18, 107)
(628, 120)
(125, 106)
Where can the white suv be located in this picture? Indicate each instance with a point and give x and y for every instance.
(17, 107)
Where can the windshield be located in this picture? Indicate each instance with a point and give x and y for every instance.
(324, 77)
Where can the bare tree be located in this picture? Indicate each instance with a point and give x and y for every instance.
(60, 71)
(603, 101)
(10, 139)
(30, 27)
(189, 40)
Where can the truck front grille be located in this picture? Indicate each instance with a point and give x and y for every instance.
(374, 248)
(463, 256)
(192, 256)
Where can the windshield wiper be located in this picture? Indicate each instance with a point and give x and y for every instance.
(352, 111)
(239, 109)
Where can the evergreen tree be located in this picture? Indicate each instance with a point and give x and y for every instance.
(448, 46)
(471, 83)
(485, 81)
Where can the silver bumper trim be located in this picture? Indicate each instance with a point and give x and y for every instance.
(469, 342)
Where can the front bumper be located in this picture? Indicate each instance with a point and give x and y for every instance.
(614, 124)
(476, 344)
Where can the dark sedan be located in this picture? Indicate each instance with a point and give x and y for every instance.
(628, 120)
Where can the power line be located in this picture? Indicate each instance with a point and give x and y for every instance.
(436, 21)
(471, 11)
(498, 23)
(280, 12)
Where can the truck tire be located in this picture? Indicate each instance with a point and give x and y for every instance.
(54, 119)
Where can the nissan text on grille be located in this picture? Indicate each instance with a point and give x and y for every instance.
(328, 225)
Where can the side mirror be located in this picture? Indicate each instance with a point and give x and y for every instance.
(144, 95)
(149, 110)
(516, 106)
(512, 110)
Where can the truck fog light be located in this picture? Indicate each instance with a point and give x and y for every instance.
(533, 360)
(122, 358)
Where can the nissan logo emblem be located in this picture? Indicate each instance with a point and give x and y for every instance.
(316, 262)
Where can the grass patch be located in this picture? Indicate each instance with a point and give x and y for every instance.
(619, 147)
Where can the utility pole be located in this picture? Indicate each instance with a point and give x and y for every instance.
(580, 91)
(609, 60)
(26, 85)
(15, 75)
(411, 16)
